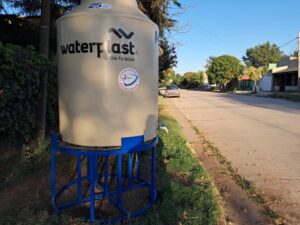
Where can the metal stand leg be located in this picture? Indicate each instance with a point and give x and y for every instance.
(92, 188)
(53, 149)
(79, 181)
(130, 163)
(88, 166)
(106, 175)
(130, 147)
(119, 181)
(153, 165)
(138, 171)
(96, 171)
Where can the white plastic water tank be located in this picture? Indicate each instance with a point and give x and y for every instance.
(108, 73)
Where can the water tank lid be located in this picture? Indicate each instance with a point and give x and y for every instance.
(120, 8)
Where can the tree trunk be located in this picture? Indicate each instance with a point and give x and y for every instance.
(44, 50)
(255, 86)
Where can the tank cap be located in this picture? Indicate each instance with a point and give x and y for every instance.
(108, 3)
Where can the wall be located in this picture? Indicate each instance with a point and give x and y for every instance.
(265, 84)
(291, 88)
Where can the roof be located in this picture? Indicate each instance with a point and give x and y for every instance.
(286, 66)
(244, 77)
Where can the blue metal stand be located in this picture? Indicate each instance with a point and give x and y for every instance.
(130, 146)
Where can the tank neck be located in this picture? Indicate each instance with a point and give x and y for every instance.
(122, 3)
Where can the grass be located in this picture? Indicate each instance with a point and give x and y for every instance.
(293, 96)
(29, 160)
(245, 184)
(185, 191)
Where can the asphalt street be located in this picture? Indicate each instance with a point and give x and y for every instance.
(260, 136)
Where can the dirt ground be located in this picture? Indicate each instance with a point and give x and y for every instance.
(259, 136)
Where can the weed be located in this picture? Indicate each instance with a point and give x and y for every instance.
(293, 96)
(39, 152)
(245, 184)
(32, 160)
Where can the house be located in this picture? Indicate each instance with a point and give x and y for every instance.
(281, 77)
(285, 75)
(245, 83)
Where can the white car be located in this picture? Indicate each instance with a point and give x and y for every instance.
(172, 91)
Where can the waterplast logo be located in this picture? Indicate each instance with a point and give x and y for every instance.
(129, 79)
(113, 48)
(121, 33)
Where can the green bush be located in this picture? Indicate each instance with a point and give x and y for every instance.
(21, 70)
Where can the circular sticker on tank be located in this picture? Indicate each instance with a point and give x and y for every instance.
(129, 79)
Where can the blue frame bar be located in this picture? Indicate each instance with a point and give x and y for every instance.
(130, 146)
(138, 171)
(96, 169)
(87, 168)
(153, 170)
(130, 164)
(79, 180)
(92, 188)
(106, 175)
(53, 149)
(119, 181)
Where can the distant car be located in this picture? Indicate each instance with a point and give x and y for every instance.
(172, 91)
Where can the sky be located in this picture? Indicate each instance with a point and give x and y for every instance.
(217, 27)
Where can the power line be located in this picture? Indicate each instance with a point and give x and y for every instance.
(293, 49)
(211, 36)
(289, 42)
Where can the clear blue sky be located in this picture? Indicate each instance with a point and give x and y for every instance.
(217, 27)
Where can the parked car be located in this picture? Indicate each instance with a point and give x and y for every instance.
(172, 91)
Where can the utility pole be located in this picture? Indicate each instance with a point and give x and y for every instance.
(299, 61)
(44, 50)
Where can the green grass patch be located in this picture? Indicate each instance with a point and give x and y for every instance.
(293, 96)
(29, 160)
(185, 192)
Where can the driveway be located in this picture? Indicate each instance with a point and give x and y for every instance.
(260, 136)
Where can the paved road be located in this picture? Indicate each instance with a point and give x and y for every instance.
(260, 136)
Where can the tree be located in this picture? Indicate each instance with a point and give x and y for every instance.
(262, 55)
(157, 10)
(33, 7)
(295, 53)
(177, 79)
(193, 79)
(254, 74)
(288, 56)
(223, 69)
(168, 59)
(168, 76)
(211, 77)
(1, 6)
